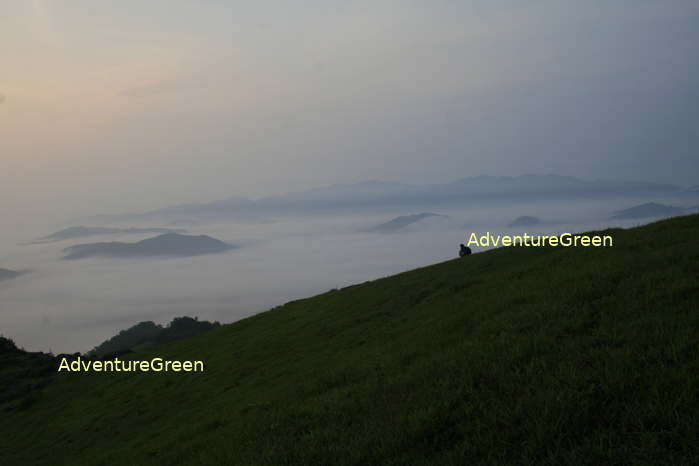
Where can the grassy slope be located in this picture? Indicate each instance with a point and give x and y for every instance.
(516, 356)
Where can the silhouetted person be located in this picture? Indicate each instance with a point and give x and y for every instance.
(464, 251)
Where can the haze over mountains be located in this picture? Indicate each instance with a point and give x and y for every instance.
(82, 231)
(691, 191)
(378, 194)
(649, 209)
(169, 244)
(525, 221)
(399, 223)
(6, 274)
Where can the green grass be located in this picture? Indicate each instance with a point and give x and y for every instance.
(514, 356)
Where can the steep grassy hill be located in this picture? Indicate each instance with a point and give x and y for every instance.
(513, 356)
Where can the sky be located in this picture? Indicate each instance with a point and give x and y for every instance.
(127, 106)
(108, 107)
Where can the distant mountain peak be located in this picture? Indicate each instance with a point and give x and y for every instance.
(168, 244)
(374, 193)
(649, 209)
(7, 274)
(82, 231)
(525, 221)
(402, 221)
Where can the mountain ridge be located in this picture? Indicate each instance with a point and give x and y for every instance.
(7, 274)
(398, 223)
(647, 210)
(82, 231)
(168, 244)
(374, 194)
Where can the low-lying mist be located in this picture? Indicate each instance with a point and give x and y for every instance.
(72, 306)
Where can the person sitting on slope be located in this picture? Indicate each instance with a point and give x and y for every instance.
(464, 251)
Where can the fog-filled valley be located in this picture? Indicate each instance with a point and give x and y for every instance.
(67, 306)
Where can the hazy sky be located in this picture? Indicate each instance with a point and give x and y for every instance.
(110, 106)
